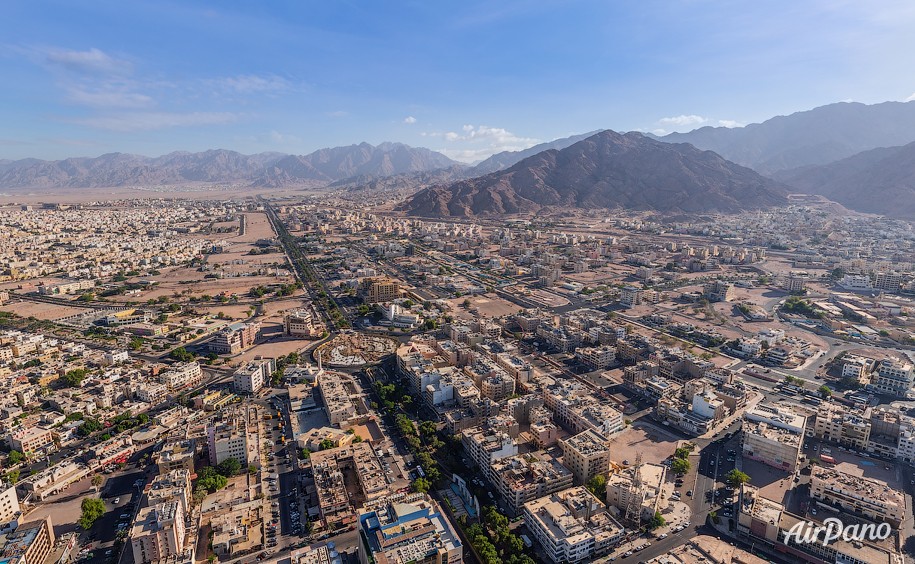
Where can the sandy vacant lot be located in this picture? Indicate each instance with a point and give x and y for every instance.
(41, 310)
(655, 444)
(489, 305)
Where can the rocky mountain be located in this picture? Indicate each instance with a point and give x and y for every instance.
(607, 170)
(356, 160)
(264, 169)
(877, 181)
(815, 137)
(505, 159)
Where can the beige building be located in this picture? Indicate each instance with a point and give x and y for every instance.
(586, 455)
(30, 439)
(158, 532)
(9, 505)
(412, 530)
(524, 478)
(302, 323)
(779, 448)
(621, 491)
(379, 290)
(872, 499)
(572, 525)
(839, 424)
(231, 439)
(30, 543)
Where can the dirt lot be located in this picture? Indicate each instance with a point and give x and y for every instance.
(41, 310)
(654, 444)
(489, 305)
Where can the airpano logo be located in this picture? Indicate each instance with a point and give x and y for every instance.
(806, 532)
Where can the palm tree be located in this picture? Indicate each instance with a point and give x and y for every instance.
(97, 481)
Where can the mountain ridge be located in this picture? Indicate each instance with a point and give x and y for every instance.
(221, 165)
(811, 137)
(606, 170)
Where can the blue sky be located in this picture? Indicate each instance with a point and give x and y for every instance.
(467, 78)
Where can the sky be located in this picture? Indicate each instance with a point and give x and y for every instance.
(467, 78)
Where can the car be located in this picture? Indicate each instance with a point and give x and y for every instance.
(627, 554)
(813, 511)
(117, 500)
(663, 536)
(689, 493)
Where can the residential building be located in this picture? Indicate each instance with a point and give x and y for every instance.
(9, 506)
(30, 543)
(870, 498)
(379, 290)
(485, 446)
(894, 377)
(837, 423)
(597, 358)
(158, 532)
(774, 446)
(250, 377)
(302, 323)
(586, 455)
(572, 526)
(408, 531)
(621, 490)
(718, 291)
(231, 439)
(30, 439)
(234, 338)
(524, 478)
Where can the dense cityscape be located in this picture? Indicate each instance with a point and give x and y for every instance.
(267, 378)
(518, 282)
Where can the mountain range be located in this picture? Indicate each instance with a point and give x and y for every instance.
(607, 170)
(818, 136)
(858, 155)
(264, 169)
(878, 181)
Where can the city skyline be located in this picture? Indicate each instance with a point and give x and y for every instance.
(467, 81)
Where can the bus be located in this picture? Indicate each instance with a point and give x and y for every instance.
(827, 459)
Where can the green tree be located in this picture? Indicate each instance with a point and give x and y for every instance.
(15, 457)
(656, 521)
(326, 444)
(12, 476)
(92, 509)
(825, 391)
(75, 377)
(735, 477)
(97, 481)
(598, 486)
(182, 354)
(421, 485)
(211, 480)
(305, 454)
(680, 466)
(229, 467)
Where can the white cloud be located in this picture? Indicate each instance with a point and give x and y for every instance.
(474, 143)
(282, 138)
(93, 61)
(409, 120)
(729, 123)
(109, 98)
(142, 121)
(659, 132)
(911, 98)
(252, 84)
(682, 120)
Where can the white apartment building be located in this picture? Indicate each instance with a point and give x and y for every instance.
(586, 455)
(252, 376)
(894, 377)
(9, 505)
